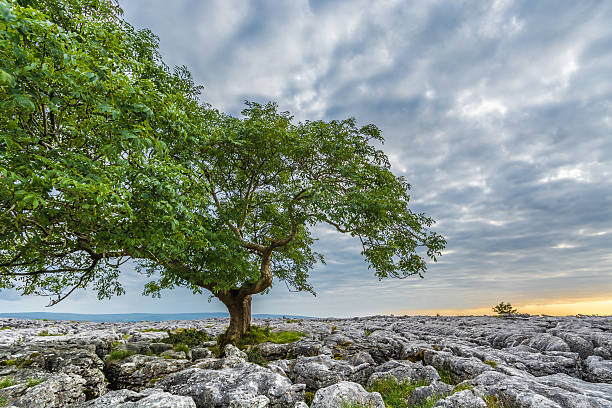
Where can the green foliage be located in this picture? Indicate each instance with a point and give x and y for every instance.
(257, 335)
(491, 363)
(88, 115)
(106, 155)
(446, 376)
(182, 347)
(7, 382)
(504, 309)
(309, 397)
(6, 363)
(189, 337)
(367, 332)
(493, 402)
(45, 333)
(5, 328)
(3, 401)
(291, 321)
(151, 330)
(119, 355)
(34, 381)
(463, 387)
(254, 356)
(394, 393)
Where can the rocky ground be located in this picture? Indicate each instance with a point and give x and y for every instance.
(536, 361)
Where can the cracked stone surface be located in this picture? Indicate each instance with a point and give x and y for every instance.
(527, 361)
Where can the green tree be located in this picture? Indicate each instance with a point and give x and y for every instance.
(504, 309)
(106, 155)
(272, 182)
(89, 114)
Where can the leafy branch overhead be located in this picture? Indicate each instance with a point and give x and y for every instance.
(107, 155)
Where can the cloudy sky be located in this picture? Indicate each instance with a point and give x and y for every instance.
(499, 113)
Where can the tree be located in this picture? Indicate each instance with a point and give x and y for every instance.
(272, 183)
(88, 115)
(504, 309)
(105, 154)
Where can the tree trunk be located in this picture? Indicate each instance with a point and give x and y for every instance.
(239, 308)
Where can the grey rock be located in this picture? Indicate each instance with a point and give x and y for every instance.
(421, 394)
(179, 355)
(558, 390)
(61, 390)
(138, 372)
(199, 353)
(218, 388)
(405, 371)
(461, 368)
(158, 348)
(598, 370)
(132, 399)
(462, 399)
(344, 392)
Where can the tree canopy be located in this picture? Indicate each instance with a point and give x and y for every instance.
(106, 154)
(88, 112)
(272, 182)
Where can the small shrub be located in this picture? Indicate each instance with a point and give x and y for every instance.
(334, 329)
(309, 397)
(189, 337)
(182, 347)
(126, 336)
(5, 328)
(6, 363)
(291, 321)
(7, 382)
(254, 356)
(367, 332)
(504, 309)
(34, 382)
(3, 402)
(491, 363)
(119, 355)
(150, 330)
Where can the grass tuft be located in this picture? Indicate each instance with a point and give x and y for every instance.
(254, 356)
(45, 333)
(394, 393)
(257, 335)
(189, 337)
(119, 355)
(32, 382)
(182, 347)
(491, 363)
(447, 377)
(7, 382)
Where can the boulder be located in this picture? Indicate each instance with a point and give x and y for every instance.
(345, 392)
(138, 372)
(245, 381)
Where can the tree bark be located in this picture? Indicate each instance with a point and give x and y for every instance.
(239, 307)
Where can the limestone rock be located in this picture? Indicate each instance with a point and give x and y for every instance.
(345, 392)
(462, 399)
(138, 372)
(218, 388)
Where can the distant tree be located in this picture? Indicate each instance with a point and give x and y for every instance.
(272, 182)
(504, 309)
(88, 114)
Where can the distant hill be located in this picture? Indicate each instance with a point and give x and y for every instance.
(133, 317)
